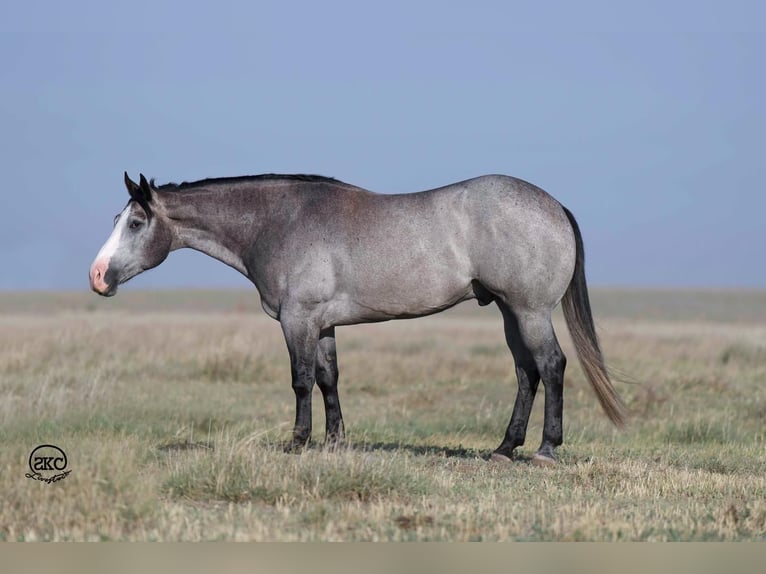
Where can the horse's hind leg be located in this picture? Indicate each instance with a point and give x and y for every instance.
(327, 380)
(528, 379)
(536, 334)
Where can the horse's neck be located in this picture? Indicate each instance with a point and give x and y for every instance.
(211, 225)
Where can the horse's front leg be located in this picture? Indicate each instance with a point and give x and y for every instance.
(302, 337)
(327, 379)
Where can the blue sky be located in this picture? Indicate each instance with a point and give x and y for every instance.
(645, 118)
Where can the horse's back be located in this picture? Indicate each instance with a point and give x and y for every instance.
(507, 234)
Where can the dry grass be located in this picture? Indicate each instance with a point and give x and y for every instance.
(172, 408)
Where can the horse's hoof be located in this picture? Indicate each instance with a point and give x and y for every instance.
(499, 457)
(543, 460)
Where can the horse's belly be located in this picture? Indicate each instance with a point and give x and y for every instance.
(385, 294)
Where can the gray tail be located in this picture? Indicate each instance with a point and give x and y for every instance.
(576, 306)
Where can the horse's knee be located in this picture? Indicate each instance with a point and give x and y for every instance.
(302, 386)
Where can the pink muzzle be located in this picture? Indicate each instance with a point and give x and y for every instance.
(97, 273)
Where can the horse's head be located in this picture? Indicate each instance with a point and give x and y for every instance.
(141, 239)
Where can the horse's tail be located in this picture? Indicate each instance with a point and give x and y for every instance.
(576, 306)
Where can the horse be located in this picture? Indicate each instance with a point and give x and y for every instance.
(323, 254)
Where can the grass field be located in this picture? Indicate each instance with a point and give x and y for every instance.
(173, 406)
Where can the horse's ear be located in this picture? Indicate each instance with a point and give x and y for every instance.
(133, 189)
(146, 188)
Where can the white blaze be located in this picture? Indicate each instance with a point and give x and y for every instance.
(111, 245)
(101, 264)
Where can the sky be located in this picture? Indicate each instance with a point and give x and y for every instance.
(646, 119)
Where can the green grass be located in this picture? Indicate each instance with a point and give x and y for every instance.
(173, 408)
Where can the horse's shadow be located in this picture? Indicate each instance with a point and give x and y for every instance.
(418, 449)
(460, 452)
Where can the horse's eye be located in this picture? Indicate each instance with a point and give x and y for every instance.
(135, 224)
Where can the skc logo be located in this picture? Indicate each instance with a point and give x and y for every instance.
(48, 464)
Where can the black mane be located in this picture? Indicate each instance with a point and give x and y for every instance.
(188, 185)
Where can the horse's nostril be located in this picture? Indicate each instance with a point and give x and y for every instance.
(97, 275)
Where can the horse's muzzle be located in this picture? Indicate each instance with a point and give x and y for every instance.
(98, 282)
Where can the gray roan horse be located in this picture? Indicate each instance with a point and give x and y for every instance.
(323, 253)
